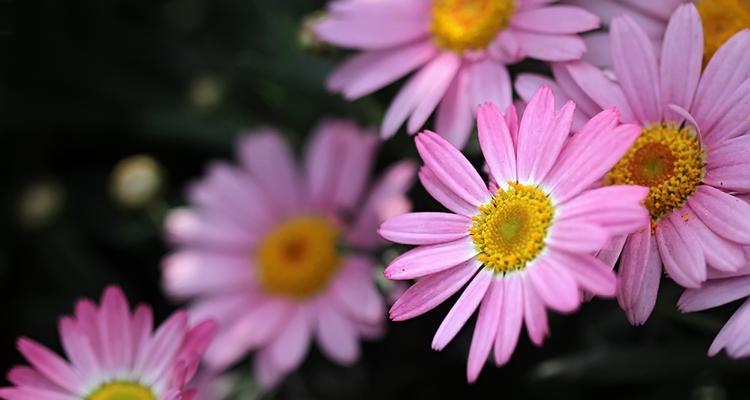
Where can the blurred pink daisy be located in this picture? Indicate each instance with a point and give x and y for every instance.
(279, 256)
(525, 244)
(113, 355)
(720, 290)
(692, 152)
(460, 47)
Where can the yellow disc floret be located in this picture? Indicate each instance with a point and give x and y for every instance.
(459, 25)
(298, 258)
(722, 19)
(509, 230)
(669, 160)
(122, 390)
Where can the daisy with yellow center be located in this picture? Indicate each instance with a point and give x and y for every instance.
(280, 255)
(114, 355)
(458, 48)
(526, 246)
(691, 153)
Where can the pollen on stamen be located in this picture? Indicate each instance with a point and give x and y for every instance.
(509, 230)
(461, 25)
(667, 159)
(117, 390)
(721, 19)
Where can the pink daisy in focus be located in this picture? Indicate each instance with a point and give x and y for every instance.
(525, 244)
(721, 289)
(112, 354)
(459, 47)
(280, 255)
(692, 152)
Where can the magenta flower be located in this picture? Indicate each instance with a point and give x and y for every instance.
(459, 47)
(525, 244)
(692, 152)
(113, 354)
(723, 289)
(278, 255)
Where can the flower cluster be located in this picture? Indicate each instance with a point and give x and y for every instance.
(631, 160)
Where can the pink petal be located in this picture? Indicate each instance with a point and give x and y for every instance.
(425, 228)
(454, 118)
(535, 122)
(535, 315)
(490, 82)
(426, 260)
(634, 61)
(432, 290)
(619, 209)
(154, 360)
(558, 19)
(584, 104)
(719, 211)
(640, 273)
(511, 317)
(288, 348)
(114, 324)
(184, 226)
(51, 365)
(659, 9)
(78, 347)
(266, 154)
(681, 59)
(192, 273)
(576, 236)
(680, 251)
(553, 284)
(337, 336)
(597, 49)
(452, 168)
(715, 293)
(720, 253)
(355, 292)
(440, 80)
(590, 273)
(367, 72)
(726, 70)
(485, 329)
(602, 90)
(550, 47)
(356, 164)
(497, 144)
(611, 253)
(444, 195)
(734, 335)
(462, 310)
(420, 85)
(728, 163)
(366, 31)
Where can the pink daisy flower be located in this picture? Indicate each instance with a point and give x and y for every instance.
(734, 337)
(113, 354)
(279, 255)
(691, 152)
(459, 47)
(524, 244)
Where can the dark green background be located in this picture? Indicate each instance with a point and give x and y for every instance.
(86, 83)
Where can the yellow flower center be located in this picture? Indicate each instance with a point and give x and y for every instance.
(722, 19)
(122, 390)
(298, 258)
(668, 160)
(509, 230)
(460, 25)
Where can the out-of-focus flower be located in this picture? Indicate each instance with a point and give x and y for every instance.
(205, 93)
(724, 288)
(459, 47)
(692, 152)
(113, 354)
(136, 181)
(525, 244)
(39, 203)
(278, 254)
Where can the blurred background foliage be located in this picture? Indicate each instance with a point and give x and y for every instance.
(87, 86)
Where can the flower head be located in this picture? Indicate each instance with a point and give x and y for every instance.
(113, 354)
(525, 241)
(280, 257)
(691, 153)
(460, 49)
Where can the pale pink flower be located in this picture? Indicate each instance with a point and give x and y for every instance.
(112, 353)
(459, 48)
(279, 254)
(692, 153)
(721, 289)
(525, 246)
